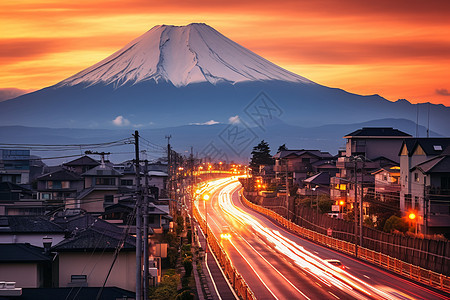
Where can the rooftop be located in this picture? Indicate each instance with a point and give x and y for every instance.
(378, 132)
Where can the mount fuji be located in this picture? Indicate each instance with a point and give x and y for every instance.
(179, 75)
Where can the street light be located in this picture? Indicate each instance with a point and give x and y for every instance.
(412, 216)
(206, 198)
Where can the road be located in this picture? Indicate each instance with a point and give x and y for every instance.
(277, 264)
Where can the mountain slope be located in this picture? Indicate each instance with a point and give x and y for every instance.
(182, 55)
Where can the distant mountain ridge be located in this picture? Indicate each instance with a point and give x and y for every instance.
(326, 138)
(178, 75)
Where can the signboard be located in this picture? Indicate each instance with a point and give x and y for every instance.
(335, 208)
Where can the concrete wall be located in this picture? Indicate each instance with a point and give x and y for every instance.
(24, 274)
(96, 266)
(33, 239)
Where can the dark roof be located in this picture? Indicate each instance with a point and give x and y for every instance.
(62, 174)
(438, 164)
(28, 224)
(320, 178)
(431, 146)
(317, 153)
(94, 239)
(102, 170)
(22, 253)
(377, 132)
(82, 161)
(10, 191)
(89, 232)
(71, 293)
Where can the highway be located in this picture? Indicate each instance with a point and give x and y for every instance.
(277, 264)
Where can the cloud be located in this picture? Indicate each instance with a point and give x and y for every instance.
(234, 120)
(442, 92)
(9, 93)
(121, 121)
(210, 122)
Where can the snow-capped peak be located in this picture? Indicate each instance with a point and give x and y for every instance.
(182, 55)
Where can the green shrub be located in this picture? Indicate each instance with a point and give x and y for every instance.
(187, 264)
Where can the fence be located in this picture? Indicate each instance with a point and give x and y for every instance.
(237, 282)
(398, 266)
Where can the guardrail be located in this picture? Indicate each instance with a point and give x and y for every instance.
(237, 282)
(416, 273)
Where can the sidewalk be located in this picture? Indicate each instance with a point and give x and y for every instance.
(211, 283)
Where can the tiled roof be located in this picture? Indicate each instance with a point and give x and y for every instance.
(377, 131)
(62, 174)
(89, 232)
(431, 146)
(28, 224)
(78, 293)
(102, 171)
(82, 161)
(22, 253)
(438, 164)
(318, 153)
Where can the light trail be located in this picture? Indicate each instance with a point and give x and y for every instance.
(322, 270)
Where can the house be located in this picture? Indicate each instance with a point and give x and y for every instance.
(387, 184)
(101, 185)
(33, 230)
(57, 187)
(84, 259)
(18, 200)
(15, 166)
(430, 195)
(412, 153)
(367, 150)
(27, 265)
(81, 165)
(298, 164)
(315, 185)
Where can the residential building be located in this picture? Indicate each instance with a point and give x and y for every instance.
(27, 265)
(34, 230)
(367, 150)
(59, 187)
(81, 165)
(101, 185)
(387, 184)
(412, 153)
(15, 166)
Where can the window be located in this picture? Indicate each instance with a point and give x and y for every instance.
(127, 182)
(306, 160)
(445, 183)
(105, 181)
(416, 202)
(109, 199)
(416, 177)
(408, 201)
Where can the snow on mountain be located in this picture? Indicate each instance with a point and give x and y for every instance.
(182, 55)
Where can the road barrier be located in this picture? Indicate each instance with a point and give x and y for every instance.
(237, 282)
(416, 273)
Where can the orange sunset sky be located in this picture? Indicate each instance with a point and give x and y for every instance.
(397, 49)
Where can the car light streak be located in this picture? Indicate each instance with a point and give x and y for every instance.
(324, 271)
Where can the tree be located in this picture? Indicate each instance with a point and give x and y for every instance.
(395, 223)
(261, 156)
(282, 148)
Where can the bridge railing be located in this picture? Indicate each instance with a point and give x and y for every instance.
(416, 273)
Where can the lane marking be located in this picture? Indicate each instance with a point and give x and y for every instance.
(287, 280)
(262, 281)
(333, 295)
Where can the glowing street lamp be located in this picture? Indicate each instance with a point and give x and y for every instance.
(412, 216)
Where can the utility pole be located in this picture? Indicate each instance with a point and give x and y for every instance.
(138, 220)
(169, 166)
(361, 215)
(146, 231)
(355, 209)
(102, 155)
(287, 190)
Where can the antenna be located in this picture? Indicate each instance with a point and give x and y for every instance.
(417, 121)
(428, 125)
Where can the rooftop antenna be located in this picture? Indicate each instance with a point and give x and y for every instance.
(417, 121)
(428, 125)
